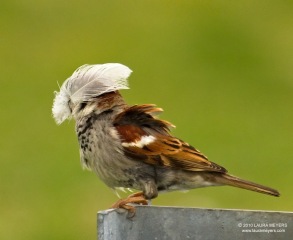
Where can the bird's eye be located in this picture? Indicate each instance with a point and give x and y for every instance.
(70, 105)
(82, 106)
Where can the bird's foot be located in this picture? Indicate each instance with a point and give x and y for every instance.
(136, 198)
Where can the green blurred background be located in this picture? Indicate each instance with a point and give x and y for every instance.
(222, 71)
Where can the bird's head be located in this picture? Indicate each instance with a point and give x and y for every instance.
(85, 85)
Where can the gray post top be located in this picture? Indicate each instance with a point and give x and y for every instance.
(156, 223)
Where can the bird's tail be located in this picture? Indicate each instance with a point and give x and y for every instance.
(230, 180)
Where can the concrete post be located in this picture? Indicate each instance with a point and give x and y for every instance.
(156, 223)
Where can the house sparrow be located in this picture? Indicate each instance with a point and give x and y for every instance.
(127, 146)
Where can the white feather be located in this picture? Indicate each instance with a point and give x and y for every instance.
(87, 82)
(144, 141)
(122, 189)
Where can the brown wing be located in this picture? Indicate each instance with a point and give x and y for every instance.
(147, 139)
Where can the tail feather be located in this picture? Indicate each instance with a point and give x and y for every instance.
(230, 180)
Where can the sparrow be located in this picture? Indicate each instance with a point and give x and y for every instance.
(129, 147)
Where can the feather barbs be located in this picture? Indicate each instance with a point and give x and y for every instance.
(86, 83)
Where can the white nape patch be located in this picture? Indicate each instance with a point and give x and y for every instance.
(114, 133)
(145, 140)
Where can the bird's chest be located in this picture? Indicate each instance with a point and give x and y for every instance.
(101, 151)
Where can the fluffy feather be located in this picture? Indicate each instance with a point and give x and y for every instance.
(87, 82)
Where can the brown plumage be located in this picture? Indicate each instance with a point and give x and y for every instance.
(168, 151)
(127, 146)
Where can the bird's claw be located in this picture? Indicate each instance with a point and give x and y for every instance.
(136, 198)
